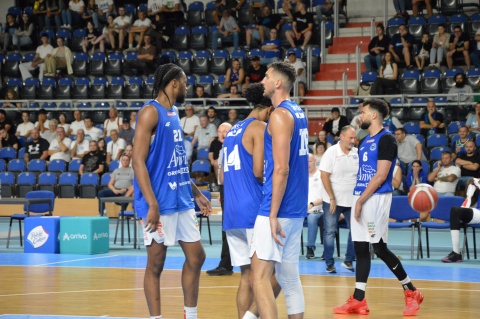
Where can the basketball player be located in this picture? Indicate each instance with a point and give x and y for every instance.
(163, 191)
(243, 181)
(276, 234)
(371, 203)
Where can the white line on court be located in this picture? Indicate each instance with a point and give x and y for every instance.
(73, 260)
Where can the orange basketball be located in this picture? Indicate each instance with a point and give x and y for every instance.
(423, 198)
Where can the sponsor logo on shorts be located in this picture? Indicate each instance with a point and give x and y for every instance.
(371, 229)
(160, 229)
(38, 236)
(195, 219)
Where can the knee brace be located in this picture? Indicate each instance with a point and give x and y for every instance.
(288, 278)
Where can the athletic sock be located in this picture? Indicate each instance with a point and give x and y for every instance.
(359, 293)
(190, 312)
(130, 46)
(407, 284)
(156, 317)
(249, 315)
(455, 233)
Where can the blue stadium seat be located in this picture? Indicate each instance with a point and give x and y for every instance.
(7, 180)
(88, 186)
(98, 89)
(181, 38)
(116, 87)
(410, 82)
(47, 88)
(105, 180)
(209, 12)
(431, 81)
(453, 127)
(37, 166)
(398, 102)
(171, 54)
(134, 88)
(473, 76)
(191, 83)
(241, 55)
(8, 153)
(28, 57)
(201, 62)
(15, 84)
(66, 35)
(81, 89)
(437, 140)
(74, 165)
(26, 182)
(195, 13)
(77, 39)
(459, 19)
(185, 61)
(148, 91)
(474, 24)
(368, 78)
(131, 11)
(67, 185)
(436, 152)
(11, 64)
(30, 88)
(17, 166)
(57, 166)
(434, 22)
(412, 127)
(219, 62)
(113, 165)
(114, 64)
(449, 78)
(64, 88)
(207, 81)
(3, 165)
(416, 26)
(97, 64)
(80, 64)
(219, 86)
(393, 24)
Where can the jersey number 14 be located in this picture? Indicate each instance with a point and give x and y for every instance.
(232, 159)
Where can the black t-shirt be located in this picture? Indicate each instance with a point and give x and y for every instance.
(10, 141)
(302, 20)
(12, 129)
(463, 38)
(36, 149)
(387, 148)
(229, 4)
(256, 75)
(93, 34)
(474, 159)
(92, 161)
(436, 116)
(376, 42)
(398, 44)
(270, 21)
(215, 148)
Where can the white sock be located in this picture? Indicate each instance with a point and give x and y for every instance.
(361, 285)
(405, 281)
(455, 240)
(130, 46)
(190, 312)
(156, 317)
(249, 315)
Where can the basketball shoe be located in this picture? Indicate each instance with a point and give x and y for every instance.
(353, 306)
(413, 299)
(453, 257)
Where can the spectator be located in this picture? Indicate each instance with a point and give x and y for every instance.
(326, 10)
(60, 58)
(79, 147)
(228, 30)
(25, 129)
(334, 123)
(255, 9)
(458, 94)
(102, 147)
(391, 123)
(301, 80)
(8, 31)
(409, 148)
(235, 75)
(212, 116)
(93, 161)
(205, 133)
(51, 133)
(154, 7)
(473, 121)
(159, 35)
(127, 132)
(90, 8)
(440, 46)
(38, 61)
(357, 120)
(77, 124)
(387, 79)
(272, 48)
(400, 8)
(62, 122)
(302, 27)
(232, 117)
(22, 38)
(423, 52)
(129, 152)
(42, 124)
(40, 13)
(475, 55)
(92, 133)
(214, 152)
(377, 48)
(200, 94)
(54, 13)
(458, 146)
(232, 95)
(7, 140)
(322, 138)
(172, 13)
(289, 7)
(417, 3)
(255, 73)
(11, 95)
(263, 27)
(105, 8)
(138, 30)
(133, 119)
(120, 184)
(401, 46)
(397, 182)
(120, 28)
(315, 203)
(231, 5)
(190, 122)
(110, 25)
(92, 38)
(318, 151)
(145, 62)
(6, 123)
(113, 122)
(469, 163)
(60, 147)
(73, 15)
(37, 147)
(432, 121)
(445, 176)
(416, 175)
(459, 46)
(115, 147)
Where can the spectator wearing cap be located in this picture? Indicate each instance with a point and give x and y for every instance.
(300, 71)
(255, 72)
(302, 27)
(335, 123)
(127, 132)
(6, 123)
(228, 30)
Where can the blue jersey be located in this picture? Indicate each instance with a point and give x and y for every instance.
(167, 166)
(379, 147)
(388, 124)
(242, 190)
(295, 200)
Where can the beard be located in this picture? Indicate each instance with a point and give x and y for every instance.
(180, 97)
(459, 85)
(365, 125)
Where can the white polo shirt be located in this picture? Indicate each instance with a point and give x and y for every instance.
(343, 169)
(81, 148)
(23, 128)
(61, 155)
(113, 148)
(93, 134)
(76, 125)
(447, 187)
(315, 189)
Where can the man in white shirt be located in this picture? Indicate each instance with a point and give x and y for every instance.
(26, 127)
(315, 209)
(122, 23)
(42, 124)
(92, 133)
(115, 147)
(154, 6)
(60, 146)
(301, 73)
(105, 8)
(51, 133)
(204, 134)
(80, 146)
(445, 176)
(339, 167)
(137, 31)
(37, 61)
(77, 124)
(190, 122)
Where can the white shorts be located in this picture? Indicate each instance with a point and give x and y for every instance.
(181, 225)
(373, 224)
(267, 249)
(239, 244)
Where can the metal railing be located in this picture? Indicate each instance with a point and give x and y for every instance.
(345, 87)
(336, 24)
(323, 48)
(358, 61)
(309, 63)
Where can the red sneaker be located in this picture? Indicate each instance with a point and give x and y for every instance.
(413, 299)
(353, 306)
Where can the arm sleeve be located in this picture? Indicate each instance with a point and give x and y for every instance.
(387, 148)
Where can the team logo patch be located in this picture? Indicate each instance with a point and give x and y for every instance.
(171, 113)
(373, 147)
(370, 141)
(371, 229)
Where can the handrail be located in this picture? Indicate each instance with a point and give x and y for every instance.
(323, 49)
(335, 19)
(385, 14)
(345, 87)
(358, 63)
(309, 64)
(373, 28)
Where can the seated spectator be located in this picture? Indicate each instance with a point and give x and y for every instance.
(231, 5)
(137, 31)
(115, 147)
(228, 30)
(114, 122)
(401, 46)
(93, 161)
(423, 51)
(127, 132)
(235, 75)
(475, 55)
(90, 8)
(391, 123)
(289, 7)
(109, 25)
(432, 121)
(212, 116)
(232, 95)
(205, 133)
(458, 93)
(255, 10)
(60, 147)
(428, 5)
(79, 147)
(387, 79)
(400, 8)
(445, 176)
(51, 133)
(469, 164)
(8, 31)
(272, 48)
(154, 7)
(325, 10)
(190, 121)
(440, 46)
(377, 47)
(145, 62)
(7, 123)
(459, 46)
(54, 13)
(11, 95)
(263, 27)
(397, 182)
(105, 8)
(40, 13)
(301, 74)
(119, 28)
(129, 152)
(172, 13)
(133, 119)
(318, 151)
(214, 151)
(22, 38)
(77, 124)
(409, 148)
(416, 175)
(62, 122)
(322, 138)
(357, 120)
(72, 16)
(25, 128)
(458, 146)
(255, 72)
(120, 184)
(315, 202)
(232, 117)
(38, 61)
(42, 124)
(302, 27)
(7, 140)
(92, 133)
(200, 94)
(93, 38)
(37, 147)
(473, 121)
(158, 32)
(60, 58)
(334, 123)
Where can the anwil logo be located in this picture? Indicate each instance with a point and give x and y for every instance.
(74, 236)
(99, 236)
(37, 236)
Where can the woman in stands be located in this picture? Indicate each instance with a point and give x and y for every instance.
(322, 138)
(62, 122)
(61, 58)
(72, 16)
(440, 46)
(23, 35)
(102, 147)
(318, 152)
(416, 175)
(92, 38)
(388, 76)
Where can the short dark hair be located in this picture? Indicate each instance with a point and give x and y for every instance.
(401, 129)
(287, 70)
(88, 117)
(446, 152)
(457, 27)
(381, 26)
(378, 105)
(212, 108)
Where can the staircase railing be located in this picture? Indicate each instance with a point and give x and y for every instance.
(358, 63)
(345, 87)
(385, 13)
(323, 49)
(309, 64)
(335, 19)
(372, 28)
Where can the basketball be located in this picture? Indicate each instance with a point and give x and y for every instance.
(423, 198)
